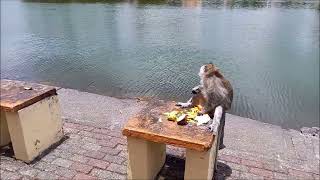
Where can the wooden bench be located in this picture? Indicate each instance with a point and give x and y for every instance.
(30, 118)
(147, 138)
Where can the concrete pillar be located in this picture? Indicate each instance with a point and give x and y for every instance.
(4, 131)
(35, 128)
(145, 158)
(201, 165)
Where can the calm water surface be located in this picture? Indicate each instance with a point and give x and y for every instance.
(268, 50)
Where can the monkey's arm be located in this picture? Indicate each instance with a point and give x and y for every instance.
(188, 104)
(193, 100)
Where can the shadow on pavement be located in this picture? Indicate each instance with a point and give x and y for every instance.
(174, 169)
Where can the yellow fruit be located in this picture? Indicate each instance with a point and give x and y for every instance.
(172, 116)
(191, 114)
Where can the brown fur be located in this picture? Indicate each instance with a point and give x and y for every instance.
(211, 95)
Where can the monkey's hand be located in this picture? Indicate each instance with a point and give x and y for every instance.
(196, 90)
(214, 127)
(183, 105)
(202, 112)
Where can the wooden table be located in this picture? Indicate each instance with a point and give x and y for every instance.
(30, 118)
(147, 138)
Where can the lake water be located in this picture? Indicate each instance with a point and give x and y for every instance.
(268, 50)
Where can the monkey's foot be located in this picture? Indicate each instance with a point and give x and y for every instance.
(221, 146)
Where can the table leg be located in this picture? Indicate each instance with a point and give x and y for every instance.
(201, 165)
(35, 128)
(4, 132)
(145, 158)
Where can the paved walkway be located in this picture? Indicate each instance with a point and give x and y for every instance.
(95, 147)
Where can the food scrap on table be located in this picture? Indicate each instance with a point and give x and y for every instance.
(190, 115)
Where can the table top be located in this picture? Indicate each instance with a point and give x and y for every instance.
(146, 125)
(16, 95)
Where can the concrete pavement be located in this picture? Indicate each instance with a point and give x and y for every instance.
(96, 149)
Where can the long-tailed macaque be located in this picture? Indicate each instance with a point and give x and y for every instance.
(214, 94)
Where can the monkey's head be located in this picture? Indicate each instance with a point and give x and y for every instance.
(209, 70)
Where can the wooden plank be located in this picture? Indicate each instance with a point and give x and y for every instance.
(146, 126)
(16, 95)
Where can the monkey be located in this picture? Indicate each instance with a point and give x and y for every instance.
(214, 94)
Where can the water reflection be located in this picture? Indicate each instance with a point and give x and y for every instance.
(246, 3)
(314, 4)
